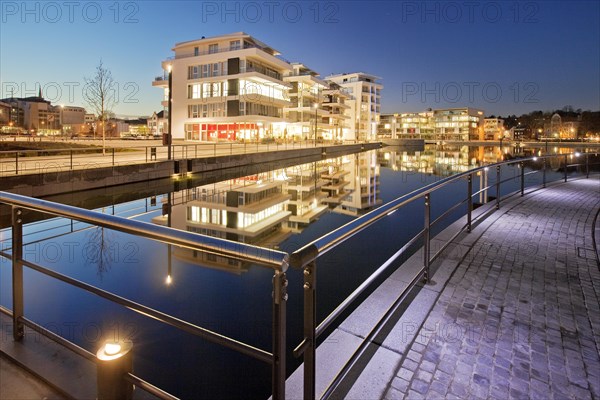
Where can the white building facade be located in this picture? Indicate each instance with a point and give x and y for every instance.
(227, 87)
(364, 107)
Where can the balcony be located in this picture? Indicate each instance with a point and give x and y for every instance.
(224, 50)
(160, 81)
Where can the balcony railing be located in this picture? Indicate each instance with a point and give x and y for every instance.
(304, 259)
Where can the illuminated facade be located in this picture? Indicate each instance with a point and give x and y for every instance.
(364, 107)
(305, 115)
(559, 129)
(493, 128)
(460, 124)
(335, 103)
(228, 87)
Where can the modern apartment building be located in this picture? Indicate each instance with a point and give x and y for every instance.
(461, 124)
(227, 87)
(335, 103)
(365, 105)
(305, 115)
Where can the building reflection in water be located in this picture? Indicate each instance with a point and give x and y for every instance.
(266, 208)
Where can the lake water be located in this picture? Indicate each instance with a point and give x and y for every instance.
(284, 207)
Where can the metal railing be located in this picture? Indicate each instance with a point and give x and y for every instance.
(304, 259)
(19, 162)
(270, 258)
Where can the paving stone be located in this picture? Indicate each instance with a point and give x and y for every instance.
(519, 317)
(419, 386)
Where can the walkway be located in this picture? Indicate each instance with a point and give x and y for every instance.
(520, 315)
(18, 384)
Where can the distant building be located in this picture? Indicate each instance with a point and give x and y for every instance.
(34, 114)
(460, 124)
(72, 120)
(364, 107)
(137, 128)
(559, 129)
(158, 124)
(4, 113)
(493, 128)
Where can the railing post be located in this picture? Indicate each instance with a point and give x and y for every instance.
(71, 156)
(17, 273)
(215, 153)
(426, 236)
(544, 173)
(522, 166)
(114, 360)
(498, 177)
(16, 163)
(587, 165)
(469, 200)
(310, 324)
(113, 156)
(565, 167)
(195, 151)
(279, 332)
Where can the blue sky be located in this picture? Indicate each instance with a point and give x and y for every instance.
(502, 56)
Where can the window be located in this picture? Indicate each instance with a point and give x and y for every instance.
(196, 51)
(213, 48)
(205, 70)
(215, 69)
(234, 45)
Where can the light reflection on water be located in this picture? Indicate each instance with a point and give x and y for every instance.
(283, 208)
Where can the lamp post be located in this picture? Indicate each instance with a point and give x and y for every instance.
(169, 135)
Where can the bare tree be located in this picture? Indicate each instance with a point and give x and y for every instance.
(99, 94)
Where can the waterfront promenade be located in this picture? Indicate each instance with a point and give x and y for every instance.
(512, 312)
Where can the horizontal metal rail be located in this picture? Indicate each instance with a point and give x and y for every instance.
(360, 290)
(371, 335)
(448, 212)
(148, 387)
(329, 241)
(158, 315)
(191, 240)
(59, 339)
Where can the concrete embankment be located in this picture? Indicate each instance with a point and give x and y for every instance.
(51, 183)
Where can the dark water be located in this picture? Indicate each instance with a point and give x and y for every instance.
(230, 298)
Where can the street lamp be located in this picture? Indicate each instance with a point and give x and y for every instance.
(169, 135)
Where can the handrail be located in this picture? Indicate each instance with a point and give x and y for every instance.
(334, 238)
(191, 240)
(274, 259)
(158, 315)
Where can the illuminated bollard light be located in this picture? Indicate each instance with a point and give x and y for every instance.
(114, 360)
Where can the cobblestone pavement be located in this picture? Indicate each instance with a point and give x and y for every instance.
(520, 317)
